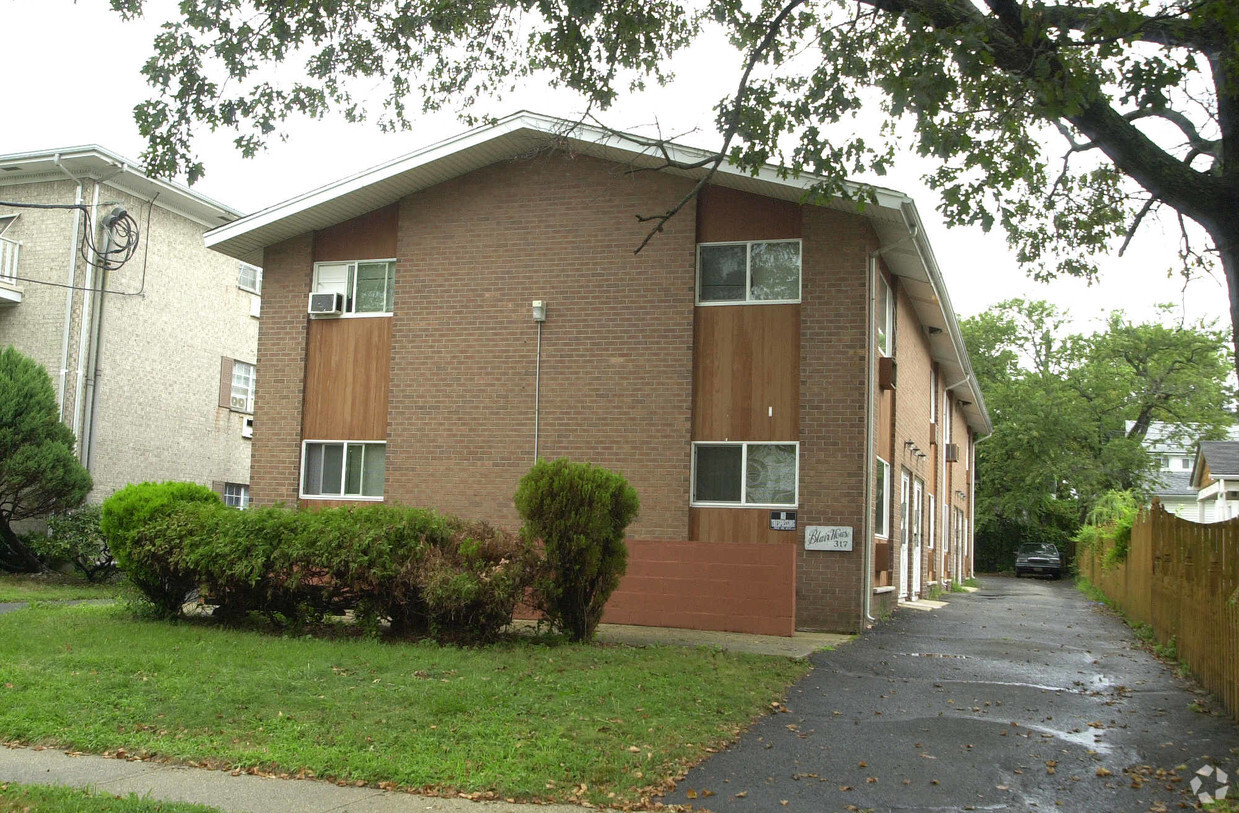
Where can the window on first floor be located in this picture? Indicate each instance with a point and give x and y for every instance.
(368, 286)
(881, 501)
(237, 495)
(753, 271)
(744, 474)
(350, 470)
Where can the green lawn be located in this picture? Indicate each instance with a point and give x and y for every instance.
(39, 799)
(519, 720)
(51, 588)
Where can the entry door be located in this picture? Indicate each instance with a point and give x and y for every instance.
(905, 530)
(918, 526)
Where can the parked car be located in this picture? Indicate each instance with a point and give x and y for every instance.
(1038, 558)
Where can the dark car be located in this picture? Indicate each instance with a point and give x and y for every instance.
(1040, 558)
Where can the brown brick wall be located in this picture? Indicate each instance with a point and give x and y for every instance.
(616, 345)
(275, 466)
(679, 584)
(836, 250)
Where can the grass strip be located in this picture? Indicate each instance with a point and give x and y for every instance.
(16, 798)
(52, 588)
(525, 720)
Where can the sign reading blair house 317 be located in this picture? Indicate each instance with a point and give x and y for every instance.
(828, 537)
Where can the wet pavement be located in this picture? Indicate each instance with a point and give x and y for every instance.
(1022, 696)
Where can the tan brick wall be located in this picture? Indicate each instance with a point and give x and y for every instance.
(287, 273)
(834, 312)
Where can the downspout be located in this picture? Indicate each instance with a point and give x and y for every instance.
(69, 279)
(870, 416)
(83, 337)
(92, 372)
(537, 394)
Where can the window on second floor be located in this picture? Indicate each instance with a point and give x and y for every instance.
(243, 379)
(368, 286)
(746, 272)
(886, 318)
(249, 278)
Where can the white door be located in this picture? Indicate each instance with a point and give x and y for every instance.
(935, 550)
(918, 525)
(905, 489)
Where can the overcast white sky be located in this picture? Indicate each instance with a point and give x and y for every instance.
(79, 80)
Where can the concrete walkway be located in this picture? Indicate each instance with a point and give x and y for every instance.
(234, 794)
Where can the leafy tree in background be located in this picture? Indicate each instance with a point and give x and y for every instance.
(1144, 94)
(39, 473)
(1060, 403)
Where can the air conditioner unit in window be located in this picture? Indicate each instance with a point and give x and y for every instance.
(952, 452)
(326, 304)
(239, 403)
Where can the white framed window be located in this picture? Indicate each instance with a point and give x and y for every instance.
(932, 527)
(343, 470)
(947, 417)
(237, 495)
(754, 271)
(243, 379)
(881, 501)
(746, 474)
(885, 317)
(249, 278)
(367, 286)
(933, 394)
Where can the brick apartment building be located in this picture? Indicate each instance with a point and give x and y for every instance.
(152, 361)
(784, 385)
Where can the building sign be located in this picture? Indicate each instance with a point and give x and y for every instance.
(782, 520)
(828, 537)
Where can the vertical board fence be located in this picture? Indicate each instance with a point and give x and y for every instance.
(1180, 578)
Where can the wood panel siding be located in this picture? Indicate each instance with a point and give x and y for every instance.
(735, 525)
(746, 375)
(347, 379)
(371, 236)
(724, 215)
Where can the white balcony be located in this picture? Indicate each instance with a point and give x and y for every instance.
(10, 294)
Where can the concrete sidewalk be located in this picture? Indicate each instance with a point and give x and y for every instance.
(234, 794)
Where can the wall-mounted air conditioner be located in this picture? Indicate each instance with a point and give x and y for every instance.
(952, 452)
(326, 304)
(247, 428)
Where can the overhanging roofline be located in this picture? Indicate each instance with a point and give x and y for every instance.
(97, 163)
(892, 214)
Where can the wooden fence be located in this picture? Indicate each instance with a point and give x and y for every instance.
(1180, 578)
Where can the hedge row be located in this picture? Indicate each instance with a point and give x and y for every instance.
(419, 571)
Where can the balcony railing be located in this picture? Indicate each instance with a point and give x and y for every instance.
(9, 250)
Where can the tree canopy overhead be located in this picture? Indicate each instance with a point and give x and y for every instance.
(1145, 93)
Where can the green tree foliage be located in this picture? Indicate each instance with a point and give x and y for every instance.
(39, 473)
(1060, 403)
(578, 512)
(1145, 94)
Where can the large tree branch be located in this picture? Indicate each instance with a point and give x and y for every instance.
(1027, 53)
(1172, 30)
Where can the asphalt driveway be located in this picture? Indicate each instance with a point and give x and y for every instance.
(1023, 696)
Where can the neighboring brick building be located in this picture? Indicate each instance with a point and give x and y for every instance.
(728, 398)
(142, 356)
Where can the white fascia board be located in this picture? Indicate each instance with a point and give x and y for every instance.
(546, 125)
(96, 163)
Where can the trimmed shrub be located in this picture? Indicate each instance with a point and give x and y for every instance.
(578, 513)
(473, 582)
(74, 538)
(149, 544)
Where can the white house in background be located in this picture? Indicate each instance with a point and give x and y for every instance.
(1215, 476)
(1176, 457)
(153, 359)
